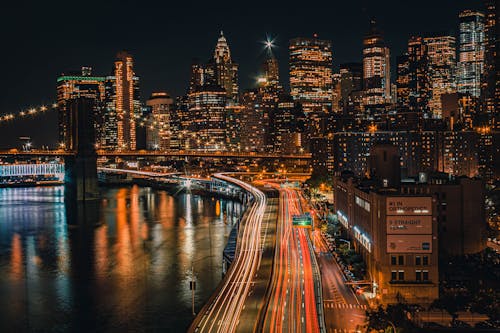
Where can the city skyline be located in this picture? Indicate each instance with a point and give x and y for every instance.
(177, 83)
(348, 153)
(58, 50)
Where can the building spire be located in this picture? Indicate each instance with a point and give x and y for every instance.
(222, 53)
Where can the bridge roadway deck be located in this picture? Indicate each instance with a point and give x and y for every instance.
(145, 153)
(236, 304)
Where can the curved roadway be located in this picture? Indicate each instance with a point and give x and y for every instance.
(223, 312)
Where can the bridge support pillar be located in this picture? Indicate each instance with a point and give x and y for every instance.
(81, 188)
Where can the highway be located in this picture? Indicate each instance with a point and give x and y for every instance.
(292, 303)
(222, 312)
(344, 310)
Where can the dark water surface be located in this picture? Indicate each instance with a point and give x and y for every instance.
(129, 275)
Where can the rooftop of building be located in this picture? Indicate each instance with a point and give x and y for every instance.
(368, 185)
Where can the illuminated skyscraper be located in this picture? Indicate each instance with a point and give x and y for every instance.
(207, 107)
(254, 123)
(183, 121)
(270, 71)
(336, 93)
(376, 69)
(71, 86)
(471, 52)
(351, 78)
(197, 75)
(220, 70)
(491, 78)
(413, 79)
(403, 79)
(122, 104)
(419, 82)
(225, 70)
(287, 126)
(441, 52)
(351, 88)
(311, 82)
(159, 127)
(269, 90)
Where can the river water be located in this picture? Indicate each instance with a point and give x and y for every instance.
(131, 274)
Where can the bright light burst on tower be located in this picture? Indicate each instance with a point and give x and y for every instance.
(269, 44)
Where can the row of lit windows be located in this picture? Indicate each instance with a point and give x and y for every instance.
(362, 203)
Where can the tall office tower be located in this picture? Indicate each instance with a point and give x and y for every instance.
(336, 93)
(413, 80)
(270, 72)
(441, 52)
(207, 108)
(233, 127)
(376, 69)
(110, 138)
(125, 100)
(311, 73)
(197, 75)
(471, 52)
(160, 121)
(183, 121)
(254, 125)
(269, 90)
(419, 79)
(403, 79)
(490, 82)
(351, 88)
(224, 69)
(351, 79)
(287, 126)
(74, 85)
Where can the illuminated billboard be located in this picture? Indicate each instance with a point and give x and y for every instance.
(416, 225)
(409, 206)
(409, 243)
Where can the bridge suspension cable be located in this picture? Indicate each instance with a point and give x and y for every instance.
(33, 111)
(26, 113)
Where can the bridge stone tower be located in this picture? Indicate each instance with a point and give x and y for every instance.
(82, 191)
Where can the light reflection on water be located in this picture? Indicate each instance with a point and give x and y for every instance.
(130, 274)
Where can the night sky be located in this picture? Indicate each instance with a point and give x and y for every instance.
(42, 39)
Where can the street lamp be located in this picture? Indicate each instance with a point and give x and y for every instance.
(192, 286)
(192, 281)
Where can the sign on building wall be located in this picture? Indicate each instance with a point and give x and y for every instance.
(409, 243)
(417, 225)
(409, 224)
(409, 206)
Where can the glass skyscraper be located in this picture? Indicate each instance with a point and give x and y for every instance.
(73, 85)
(311, 76)
(441, 53)
(376, 69)
(471, 52)
(126, 100)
